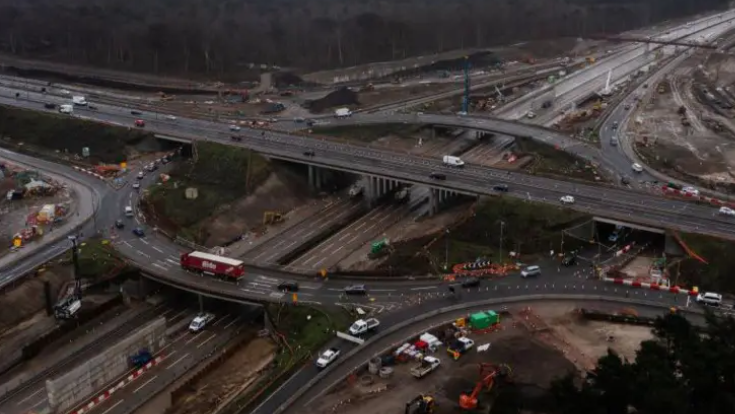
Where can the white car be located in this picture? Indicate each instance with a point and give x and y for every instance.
(727, 211)
(200, 321)
(567, 199)
(327, 357)
(170, 117)
(141, 175)
(234, 128)
(637, 168)
(709, 298)
(136, 185)
(690, 191)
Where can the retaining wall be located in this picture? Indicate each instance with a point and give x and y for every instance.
(76, 385)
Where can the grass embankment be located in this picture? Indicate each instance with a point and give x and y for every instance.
(97, 259)
(51, 134)
(716, 275)
(303, 330)
(553, 162)
(221, 174)
(528, 228)
(369, 133)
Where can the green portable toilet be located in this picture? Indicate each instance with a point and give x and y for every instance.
(479, 321)
(494, 317)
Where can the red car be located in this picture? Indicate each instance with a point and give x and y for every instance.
(139, 123)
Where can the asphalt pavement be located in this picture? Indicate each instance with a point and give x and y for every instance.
(181, 354)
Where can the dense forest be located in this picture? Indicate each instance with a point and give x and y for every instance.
(216, 37)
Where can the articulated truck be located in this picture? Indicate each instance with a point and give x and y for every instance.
(213, 265)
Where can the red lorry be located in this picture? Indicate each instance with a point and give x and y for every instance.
(211, 264)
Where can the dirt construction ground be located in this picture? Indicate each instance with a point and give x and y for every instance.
(537, 351)
(233, 377)
(668, 145)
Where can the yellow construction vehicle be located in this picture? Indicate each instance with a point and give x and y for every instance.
(272, 217)
(422, 404)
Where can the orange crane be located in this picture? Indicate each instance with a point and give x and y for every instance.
(488, 374)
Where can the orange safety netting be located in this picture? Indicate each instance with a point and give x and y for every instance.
(688, 251)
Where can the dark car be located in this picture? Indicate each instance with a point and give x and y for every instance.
(471, 282)
(119, 224)
(309, 153)
(49, 106)
(288, 287)
(569, 260)
(92, 107)
(437, 176)
(356, 290)
(625, 180)
(310, 122)
(236, 138)
(503, 188)
(134, 112)
(139, 232)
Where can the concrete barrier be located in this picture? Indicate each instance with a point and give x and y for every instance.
(491, 302)
(80, 383)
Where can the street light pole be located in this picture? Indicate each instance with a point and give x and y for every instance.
(500, 243)
(446, 250)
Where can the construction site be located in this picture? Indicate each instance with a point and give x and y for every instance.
(505, 358)
(683, 125)
(31, 206)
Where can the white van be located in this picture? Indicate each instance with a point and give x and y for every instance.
(709, 298)
(79, 100)
(66, 109)
(531, 271)
(453, 161)
(637, 168)
(128, 211)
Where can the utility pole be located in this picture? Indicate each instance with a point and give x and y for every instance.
(446, 250)
(77, 272)
(500, 243)
(561, 247)
(466, 100)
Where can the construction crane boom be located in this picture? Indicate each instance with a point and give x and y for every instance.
(488, 374)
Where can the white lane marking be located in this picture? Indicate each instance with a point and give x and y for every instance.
(40, 402)
(157, 249)
(206, 340)
(172, 261)
(143, 241)
(193, 337)
(29, 397)
(233, 321)
(127, 244)
(145, 383)
(113, 407)
(143, 254)
(424, 288)
(160, 267)
(382, 290)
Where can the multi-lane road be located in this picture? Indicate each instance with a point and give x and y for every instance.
(156, 255)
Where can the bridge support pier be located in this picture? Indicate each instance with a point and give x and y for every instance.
(316, 177)
(437, 197)
(432, 132)
(378, 187)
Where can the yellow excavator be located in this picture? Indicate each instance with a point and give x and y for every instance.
(272, 217)
(422, 404)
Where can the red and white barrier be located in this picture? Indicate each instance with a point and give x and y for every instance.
(90, 172)
(709, 200)
(625, 249)
(652, 286)
(123, 382)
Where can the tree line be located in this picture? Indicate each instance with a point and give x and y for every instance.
(224, 37)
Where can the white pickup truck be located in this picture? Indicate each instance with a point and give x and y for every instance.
(200, 321)
(362, 326)
(342, 113)
(426, 366)
(327, 357)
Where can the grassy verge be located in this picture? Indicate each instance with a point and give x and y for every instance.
(220, 174)
(64, 136)
(369, 133)
(554, 162)
(303, 331)
(528, 228)
(716, 275)
(97, 259)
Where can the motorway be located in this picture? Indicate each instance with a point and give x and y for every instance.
(31, 395)
(333, 215)
(333, 250)
(181, 354)
(157, 255)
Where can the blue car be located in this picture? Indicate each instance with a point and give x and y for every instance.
(138, 232)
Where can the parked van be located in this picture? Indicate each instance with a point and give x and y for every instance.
(66, 109)
(79, 100)
(453, 161)
(128, 211)
(637, 168)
